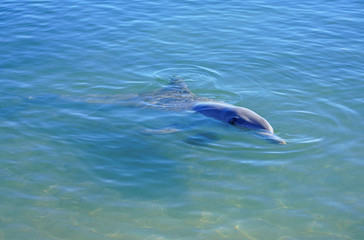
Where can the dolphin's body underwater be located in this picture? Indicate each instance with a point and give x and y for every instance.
(177, 96)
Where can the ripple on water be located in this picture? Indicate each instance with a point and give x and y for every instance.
(202, 79)
(185, 70)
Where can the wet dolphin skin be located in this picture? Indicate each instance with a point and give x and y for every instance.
(240, 117)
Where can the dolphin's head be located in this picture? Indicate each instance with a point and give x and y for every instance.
(246, 118)
(236, 116)
(243, 117)
(239, 117)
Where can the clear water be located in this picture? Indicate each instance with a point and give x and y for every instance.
(98, 170)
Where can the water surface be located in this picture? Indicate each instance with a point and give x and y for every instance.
(74, 169)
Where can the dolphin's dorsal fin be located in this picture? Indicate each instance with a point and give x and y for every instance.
(175, 96)
(177, 83)
(176, 80)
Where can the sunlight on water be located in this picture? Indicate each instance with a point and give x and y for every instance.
(83, 158)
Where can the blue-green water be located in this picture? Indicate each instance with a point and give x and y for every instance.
(98, 170)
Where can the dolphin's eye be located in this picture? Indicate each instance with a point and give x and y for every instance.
(233, 120)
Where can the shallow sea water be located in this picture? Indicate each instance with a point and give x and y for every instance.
(85, 167)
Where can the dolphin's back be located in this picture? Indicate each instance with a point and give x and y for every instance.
(174, 97)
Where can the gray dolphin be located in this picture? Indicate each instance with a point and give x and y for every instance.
(177, 96)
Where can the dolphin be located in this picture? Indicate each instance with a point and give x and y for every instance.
(177, 96)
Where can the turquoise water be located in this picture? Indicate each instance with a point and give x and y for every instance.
(74, 168)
